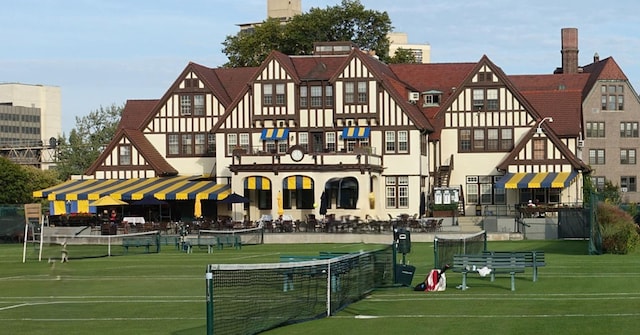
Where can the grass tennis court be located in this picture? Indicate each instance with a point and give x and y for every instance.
(164, 294)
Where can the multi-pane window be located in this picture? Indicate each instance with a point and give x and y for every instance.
(191, 144)
(397, 192)
(124, 155)
(173, 146)
(478, 98)
(304, 96)
(303, 140)
(492, 99)
(628, 129)
(539, 149)
(627, 156)
(395, 141)
(232, 143)
(482, 190)
(198, 105)
(596, 129)
(431, 100)
(355, 92)
(481, 140)
(316, 96)
(628, 184)
(331, 141)
(192, 104)
(273, 146)
(328, 96)
(244, 141)
(185, 105)
(464, 140)
(273, 94)
(478, 140)
(280, 94)
(403, 141)
(598, 182)
(390, 141)
(186, 144)
(612, 97)
(596, 156)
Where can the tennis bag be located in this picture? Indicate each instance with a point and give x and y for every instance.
(435, 281)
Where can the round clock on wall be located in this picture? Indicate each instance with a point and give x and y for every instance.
(297, 155)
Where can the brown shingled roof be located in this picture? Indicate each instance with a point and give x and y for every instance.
(555, 95)
(135, 112)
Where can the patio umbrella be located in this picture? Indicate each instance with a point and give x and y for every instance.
(280, 204)
(323, 204)
(107, 200)
(234, 198)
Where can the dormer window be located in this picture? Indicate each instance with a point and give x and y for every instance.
(431, 98)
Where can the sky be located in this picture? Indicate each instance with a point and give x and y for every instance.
(105, 52)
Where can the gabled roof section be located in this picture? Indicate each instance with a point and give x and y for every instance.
(135, 112)
(235, 79)
(211, 80)
(443, 77)
(130, 127)
(558, 96)
(317, 68)
(557, 142)
(395, 86)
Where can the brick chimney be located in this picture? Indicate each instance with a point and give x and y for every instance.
(569, 50)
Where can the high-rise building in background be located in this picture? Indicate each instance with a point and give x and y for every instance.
(30, 122)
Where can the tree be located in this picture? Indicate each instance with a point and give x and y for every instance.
(403, 56)
(14, 183)
(87, 140)
(349, 21)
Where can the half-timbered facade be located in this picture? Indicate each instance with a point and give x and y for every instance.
(340, 132)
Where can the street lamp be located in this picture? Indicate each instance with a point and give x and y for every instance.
(539, 130)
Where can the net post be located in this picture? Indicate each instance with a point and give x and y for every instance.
(328, 288)
(209, 300)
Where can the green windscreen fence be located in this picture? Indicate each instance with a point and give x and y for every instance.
(11, 223)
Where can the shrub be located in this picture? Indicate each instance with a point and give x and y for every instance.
(618, 229)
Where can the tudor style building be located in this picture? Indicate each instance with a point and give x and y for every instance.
(343, 132)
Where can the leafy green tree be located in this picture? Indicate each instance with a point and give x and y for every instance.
(86, 141)
(14, 183)
(349, 21)
(38, 179)
(403, 56)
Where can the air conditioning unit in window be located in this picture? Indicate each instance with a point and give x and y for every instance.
(580, 143)
(623, 189)
(414, 96)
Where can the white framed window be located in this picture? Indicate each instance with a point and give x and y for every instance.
(232, 143)
(403, 141)
(390, 141)
(124, 155)
(303, 140)
(330, 138)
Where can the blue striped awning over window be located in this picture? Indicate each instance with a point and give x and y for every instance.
(257, 183)
(274, 134)
(297, 183)
(162, 188)
(536, 180)
(355, 132)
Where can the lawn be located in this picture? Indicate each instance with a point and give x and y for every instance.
(164, 294)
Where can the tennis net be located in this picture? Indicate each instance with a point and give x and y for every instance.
(247, 236)
(94, 246)
(251, 298)
(444, 247)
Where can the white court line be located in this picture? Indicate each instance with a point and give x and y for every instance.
(100, 319)
(476, 316)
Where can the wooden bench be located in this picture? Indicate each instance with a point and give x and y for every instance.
(532, 259)
(510, 264)
(234, 241)
(208, 242)
(137, 242)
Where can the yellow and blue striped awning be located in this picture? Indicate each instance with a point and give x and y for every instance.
(297, 183)
(163, 188)
(536, 180)
(257, 183)
(355, 132)
(274, 134)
